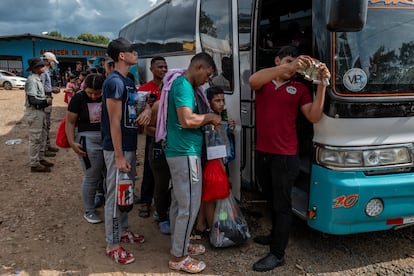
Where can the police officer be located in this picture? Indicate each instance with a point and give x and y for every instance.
(49, 89)
(36, 102)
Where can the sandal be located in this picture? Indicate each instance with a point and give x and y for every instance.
(144, 210)
(188, 264)
(130, 237)
(120, 256)
(196, 249)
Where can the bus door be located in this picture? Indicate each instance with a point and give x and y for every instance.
(277, 24)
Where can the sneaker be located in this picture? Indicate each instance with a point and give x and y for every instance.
(188, 264)
(52, 149)
(92, 218)
(99, 200)
(165, 227)
(50, 154)
(46, 163)
(40, 168)
(130, 237)
(120, 256)
(196, 249)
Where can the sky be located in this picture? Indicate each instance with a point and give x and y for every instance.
(69, 17)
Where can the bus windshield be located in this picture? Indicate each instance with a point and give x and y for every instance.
(379, 60)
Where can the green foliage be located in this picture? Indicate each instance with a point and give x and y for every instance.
(86, 37)
(99, 39)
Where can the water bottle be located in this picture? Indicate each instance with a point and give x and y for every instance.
(125, 194)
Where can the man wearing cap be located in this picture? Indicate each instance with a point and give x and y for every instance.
(36, 102)
(119, 126)
(49, 89)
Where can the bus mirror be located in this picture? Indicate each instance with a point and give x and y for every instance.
(346, 15)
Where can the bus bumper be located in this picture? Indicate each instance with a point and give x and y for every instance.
(339, 200)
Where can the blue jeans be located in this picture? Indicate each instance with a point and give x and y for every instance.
(276, 175)
(93, 176)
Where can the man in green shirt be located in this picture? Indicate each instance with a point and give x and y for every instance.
(186, 113)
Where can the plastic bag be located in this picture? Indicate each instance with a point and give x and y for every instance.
(229, 226)
(217, 142)
(215, 181)
(61, 139)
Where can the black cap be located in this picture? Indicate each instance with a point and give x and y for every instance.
(36, 62)
(117, 46)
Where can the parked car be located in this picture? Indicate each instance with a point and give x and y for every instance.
(9, 80)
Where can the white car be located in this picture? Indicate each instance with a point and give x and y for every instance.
(9, 80)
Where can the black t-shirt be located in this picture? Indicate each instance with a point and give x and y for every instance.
(88, 110)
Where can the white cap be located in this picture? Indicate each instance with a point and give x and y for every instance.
(50, 56)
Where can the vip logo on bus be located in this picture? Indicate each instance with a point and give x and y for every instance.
(345, 201)
(355, 79)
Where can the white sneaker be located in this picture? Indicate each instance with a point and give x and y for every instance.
(92, 218)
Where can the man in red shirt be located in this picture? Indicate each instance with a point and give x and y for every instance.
(159, 69)
(278, 99)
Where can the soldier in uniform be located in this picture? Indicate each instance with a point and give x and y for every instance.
(36, 102)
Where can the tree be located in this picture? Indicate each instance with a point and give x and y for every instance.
(99, 39)
(86, 37)
(55, 34)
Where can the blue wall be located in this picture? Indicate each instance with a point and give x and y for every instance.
(28, 47)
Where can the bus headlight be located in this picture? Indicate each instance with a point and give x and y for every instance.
(374, 207)
(385, 157)
(353, 158)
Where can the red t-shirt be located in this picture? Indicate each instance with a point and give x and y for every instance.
(152, 88)
(276, 113)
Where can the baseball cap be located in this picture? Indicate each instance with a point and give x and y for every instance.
(50, 56)
(117, 46)
(108, 60)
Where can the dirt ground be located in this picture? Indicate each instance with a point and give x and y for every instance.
(42, 231)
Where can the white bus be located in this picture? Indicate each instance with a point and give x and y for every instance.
(357, 162)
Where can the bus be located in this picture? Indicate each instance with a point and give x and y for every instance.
(357, 170)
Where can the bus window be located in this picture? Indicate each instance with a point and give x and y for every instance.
(156, 31)
(168, 28)
(216, 39)
(180, 26)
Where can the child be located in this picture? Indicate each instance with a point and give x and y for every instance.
(215, 96)
(71, 88)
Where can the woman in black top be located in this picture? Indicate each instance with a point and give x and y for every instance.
(83, 130)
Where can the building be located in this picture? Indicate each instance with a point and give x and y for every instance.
(15, 50)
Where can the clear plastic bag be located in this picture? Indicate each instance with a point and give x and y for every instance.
(217, 142)
(141, 99)
(229, 226)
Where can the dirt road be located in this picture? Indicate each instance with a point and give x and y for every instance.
(42, 231)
